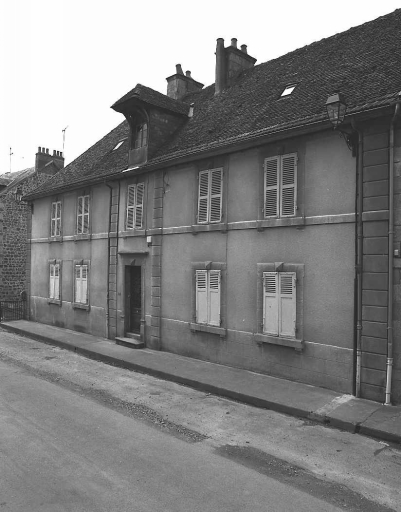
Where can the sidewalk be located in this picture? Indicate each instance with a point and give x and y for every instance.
(317, 404)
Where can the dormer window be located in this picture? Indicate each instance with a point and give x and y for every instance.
(140, 135)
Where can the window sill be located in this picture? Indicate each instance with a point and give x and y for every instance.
(55, 239)
(208, 328)
(218, 226)
(85, 236)
(56, 302)
(280, 221)
(76, 305)
(277, 340)
(132, 232)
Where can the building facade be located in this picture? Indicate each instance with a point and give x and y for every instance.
(233, 224)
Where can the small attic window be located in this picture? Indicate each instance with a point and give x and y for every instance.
(288, 90)
(119, 144)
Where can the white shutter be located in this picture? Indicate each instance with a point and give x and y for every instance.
(58, 218)
(80, 214)
(86, 215)
(203, 198)
(130, 206)
(84, 284)
(216, 185)
(270, 303)
(214, 297)
(287, 303)
(78, 283)
(56, 282)
(271, 187)
(288, 189)
(139, 205)
(51, 282)
(201, 296)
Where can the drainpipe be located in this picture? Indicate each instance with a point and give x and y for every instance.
(108, 261)
(358, 267)
(389, 364)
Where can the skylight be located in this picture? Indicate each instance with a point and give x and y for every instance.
(119, 144)
(288, 90)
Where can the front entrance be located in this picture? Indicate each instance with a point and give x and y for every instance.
(133, 298)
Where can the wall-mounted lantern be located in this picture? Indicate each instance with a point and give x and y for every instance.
(336, 108)
(18, 194)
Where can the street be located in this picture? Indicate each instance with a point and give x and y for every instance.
(80, 435)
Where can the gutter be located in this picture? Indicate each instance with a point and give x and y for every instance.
(389, 362)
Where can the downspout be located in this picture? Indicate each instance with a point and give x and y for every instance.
(389, 364)
(108, 261)
(358, 266)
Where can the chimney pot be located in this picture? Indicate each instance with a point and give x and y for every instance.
(178, 69)
(39, 150)
(188, 73)
(234, 42)
(244, 48)
(47, 150)
(54, 152)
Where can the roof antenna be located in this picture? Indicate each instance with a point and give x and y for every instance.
(64, 139)
(11, 154)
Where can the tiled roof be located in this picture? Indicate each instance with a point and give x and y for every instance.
(14, 178)
(363, 63)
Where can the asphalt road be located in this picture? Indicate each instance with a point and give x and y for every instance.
(78, 435)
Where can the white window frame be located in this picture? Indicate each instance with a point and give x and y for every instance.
(280, 192)
(81, 283)
(55, 220)
(210, 196)
(279, 304)
(208, 297)
(54, 282)
(135, 206)
(83, 217)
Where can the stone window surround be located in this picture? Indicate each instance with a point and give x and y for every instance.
(262, 338)
(212, 329)
(60, 237)
(79, 305)
(57, 302)
(83, 236)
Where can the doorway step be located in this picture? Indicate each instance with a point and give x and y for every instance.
(131, 340)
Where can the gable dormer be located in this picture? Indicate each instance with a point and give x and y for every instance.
(153, 119)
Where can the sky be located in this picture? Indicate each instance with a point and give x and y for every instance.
(63, 63)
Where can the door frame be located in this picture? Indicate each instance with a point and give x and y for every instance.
(127, 288)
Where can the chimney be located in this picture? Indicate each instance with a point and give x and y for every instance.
(47, 163)
(179, 85)
(230, 62)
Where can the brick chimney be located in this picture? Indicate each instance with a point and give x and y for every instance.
(230, 62)
(179, 85)
(48, 163)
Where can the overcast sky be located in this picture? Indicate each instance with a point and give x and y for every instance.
(64, 62)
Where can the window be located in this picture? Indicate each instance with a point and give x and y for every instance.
(135, 197)
(55, 224)
(81, 284)
(288, 90)
(118, 145)
(83, 215)
(140, 135)
(54, 282)
(280, 186)
(210, 196)
(279, 303)
(208, 297)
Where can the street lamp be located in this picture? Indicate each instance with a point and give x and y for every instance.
(336, 108)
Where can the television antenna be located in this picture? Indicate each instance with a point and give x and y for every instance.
(64, 139)
(11, 154)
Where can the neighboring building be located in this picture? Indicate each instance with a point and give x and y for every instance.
(15, 220)
(233, 224)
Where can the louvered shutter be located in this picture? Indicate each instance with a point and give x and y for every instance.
(80, 214)
(288, 185)
(216, 182)
(78, 283)
(214, 297)
(53, 220)
(56, 282)
(271, 187)
(84, 284)
(139, 205)
(86, 215)
(130, 206)
(287, 303)
(201, 296)
(203, 199)
(270, 303)
(51, 282)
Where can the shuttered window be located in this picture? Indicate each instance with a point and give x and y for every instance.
(54, 282)
(280, 186)
(208, 285)
(279, 303)
(55, 224)
(81, 284)
(135, 197)
(83, 215)
(210, 196)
